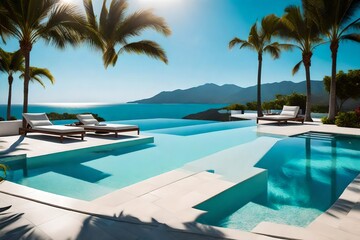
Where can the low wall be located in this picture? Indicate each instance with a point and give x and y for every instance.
(10, 128)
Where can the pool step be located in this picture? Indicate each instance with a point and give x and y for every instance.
(317, 136)
(235, 164)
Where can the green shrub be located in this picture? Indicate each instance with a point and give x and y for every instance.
(251, 105)
(347, 119)
(236, 106)
(68, 116)
(2, 119)
(13, 118)
(325, 120)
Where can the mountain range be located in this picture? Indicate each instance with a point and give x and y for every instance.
(229, 93)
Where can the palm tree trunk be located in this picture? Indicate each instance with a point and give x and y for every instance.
(259, 111)
(8, 112)
(307, 64)
(26, 48)
(308, 95)
(332, 98)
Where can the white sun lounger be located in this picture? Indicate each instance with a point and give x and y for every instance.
(40, 123)
(288, 113)
(90, 124)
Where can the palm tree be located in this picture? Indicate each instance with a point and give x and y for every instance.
(259, 40)
(11, 63)
(30, 21)
(336, 22)
(36, 75)
(115, 28)
(303, 32)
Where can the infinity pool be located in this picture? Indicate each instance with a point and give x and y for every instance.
(91, 174)
(306, 173)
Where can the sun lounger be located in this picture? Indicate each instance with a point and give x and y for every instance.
(90, 124)
(39, 123)
(288, 113)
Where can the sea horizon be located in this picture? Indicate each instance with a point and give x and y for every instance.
(115, 111)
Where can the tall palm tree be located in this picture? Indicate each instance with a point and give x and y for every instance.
(11, 63)
(114, 28)
(338, 21)
(303, 32)
(37, 74)
(259, 40)
(29, 21)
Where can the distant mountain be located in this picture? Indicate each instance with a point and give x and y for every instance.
(227, 94)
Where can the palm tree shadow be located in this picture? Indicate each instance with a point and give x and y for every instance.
(130, 227)
(15, 146)
(15, 226)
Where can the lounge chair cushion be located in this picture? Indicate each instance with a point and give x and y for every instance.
(59, 129)
(291, 111)
(41, 123)
(87, 119)
(37, 119)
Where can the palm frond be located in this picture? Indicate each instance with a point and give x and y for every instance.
(109, 56)
(235, 41)
(254, 38)
(37, 74)
(115, 28)
(296, 67)
(352, 37)
(90, 14)
(150, 48)
(103, 19)
(353, 25)
(273, 49)
(247, 45)
(38, 80)
(93, 36)
(17, 61)
(286, 46)
(11, 62)
(270, 25)
(43, 73)
(114, 19)
(356, 26)
(65, 25)
(347, 10)
(137, 22)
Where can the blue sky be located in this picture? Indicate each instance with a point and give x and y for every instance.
(197, 50)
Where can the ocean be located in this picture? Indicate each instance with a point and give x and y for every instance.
(113, 112)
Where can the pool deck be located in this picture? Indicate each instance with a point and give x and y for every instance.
(157, 208)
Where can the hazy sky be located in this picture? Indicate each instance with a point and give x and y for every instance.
(197, 50)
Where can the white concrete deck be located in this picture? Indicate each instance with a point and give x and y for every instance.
(36, 144)
(158, 208)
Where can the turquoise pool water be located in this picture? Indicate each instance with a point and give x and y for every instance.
(306, 174)
(90, 174)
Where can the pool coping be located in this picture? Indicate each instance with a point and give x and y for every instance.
(88, 207)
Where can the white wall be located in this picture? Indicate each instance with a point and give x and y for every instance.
(9, 128)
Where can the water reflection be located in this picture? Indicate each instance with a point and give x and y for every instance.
(306, 174)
